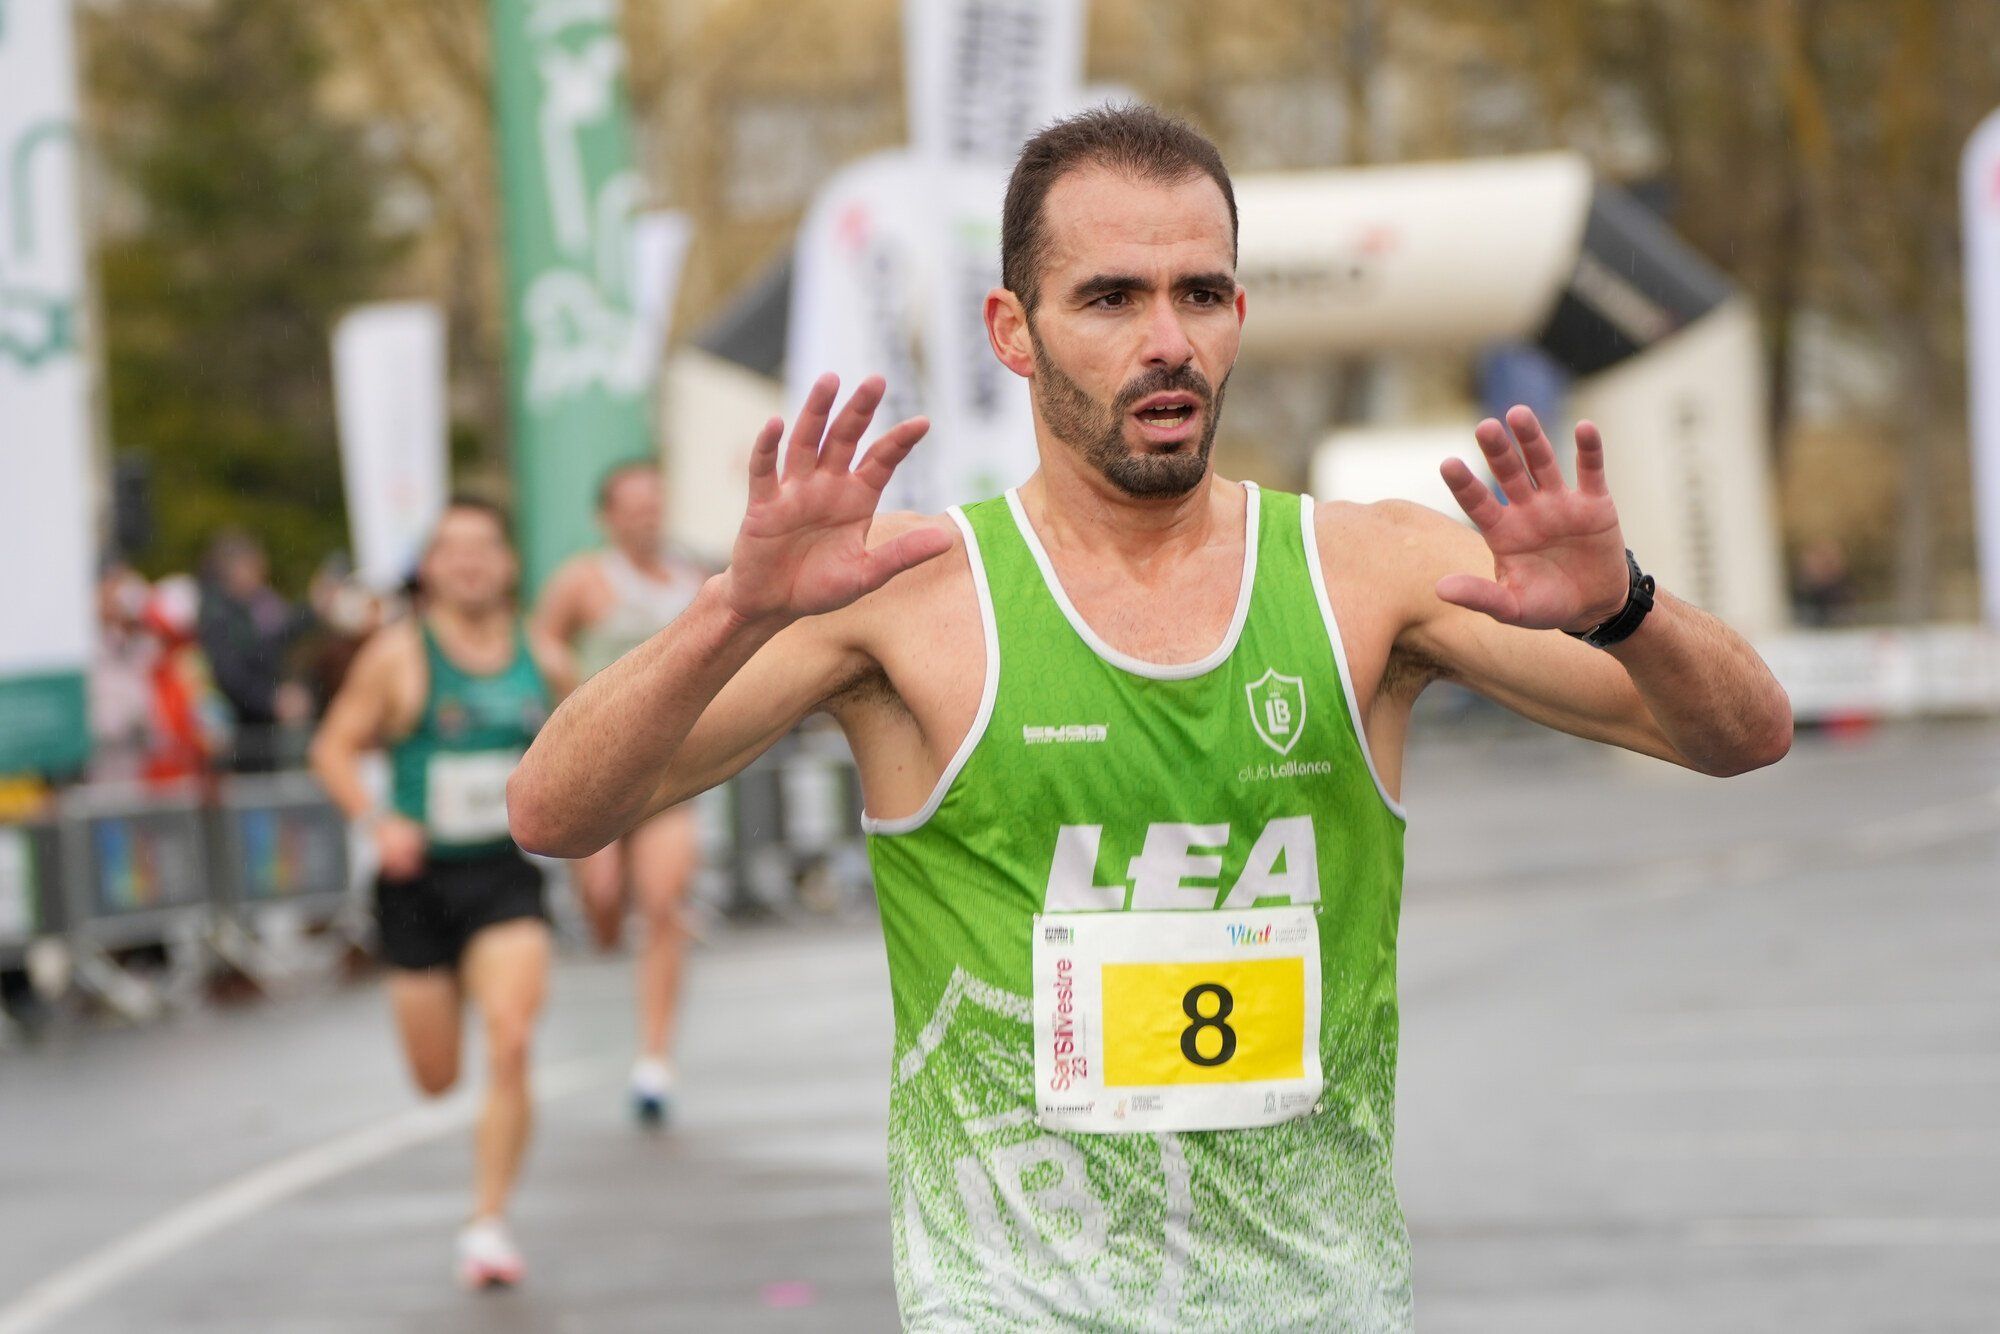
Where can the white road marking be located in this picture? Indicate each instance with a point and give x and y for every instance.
(259, 1189)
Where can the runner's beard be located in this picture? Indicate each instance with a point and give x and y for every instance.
(1098, 433)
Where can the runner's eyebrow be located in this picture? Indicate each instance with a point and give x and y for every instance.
(1103, 284)
(1220, 281)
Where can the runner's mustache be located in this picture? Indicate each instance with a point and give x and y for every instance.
(1184, 380)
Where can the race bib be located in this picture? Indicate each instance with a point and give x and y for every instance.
(466, 796)
(1176, 1020)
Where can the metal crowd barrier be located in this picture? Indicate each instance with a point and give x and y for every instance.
(135, 871)
(281, 852)
(251, 873)
(135, 892)
(31, 902)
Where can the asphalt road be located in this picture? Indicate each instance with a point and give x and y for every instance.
(1678, 1055)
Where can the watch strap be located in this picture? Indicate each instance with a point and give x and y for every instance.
(1638, 602)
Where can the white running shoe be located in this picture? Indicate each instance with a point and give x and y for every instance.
(486, 1256)
(652, 1091)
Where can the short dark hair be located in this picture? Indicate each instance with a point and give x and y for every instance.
(461, 501)
(1133, 138)
(478, 505)
(609, 481)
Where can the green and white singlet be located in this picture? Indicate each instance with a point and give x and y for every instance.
(1086, 930)
(450, 773)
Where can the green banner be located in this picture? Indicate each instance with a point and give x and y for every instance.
(581, 364)
(44, 726)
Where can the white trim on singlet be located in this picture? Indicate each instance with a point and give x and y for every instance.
(1340, 655)
(1158, 671)
(988, 693)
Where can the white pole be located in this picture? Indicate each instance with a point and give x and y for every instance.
(1979, 191)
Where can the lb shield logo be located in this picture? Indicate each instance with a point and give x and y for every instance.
(1278, 709)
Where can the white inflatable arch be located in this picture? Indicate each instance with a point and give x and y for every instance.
(1466, 255)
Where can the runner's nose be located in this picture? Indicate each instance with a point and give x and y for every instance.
(1167, 342)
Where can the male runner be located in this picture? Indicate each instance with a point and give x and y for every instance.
(1132, 784)
(455, 693)
(603, 604)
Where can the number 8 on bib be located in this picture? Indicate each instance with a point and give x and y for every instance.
(1150, 1021)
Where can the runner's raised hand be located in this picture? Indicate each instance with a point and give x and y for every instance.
(1558, 555)
(802, 549)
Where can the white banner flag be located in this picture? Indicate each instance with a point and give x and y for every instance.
(1979, 186)
(47, 626)
(900, 249)
(856, 272)
(982, 76)
(389, 401)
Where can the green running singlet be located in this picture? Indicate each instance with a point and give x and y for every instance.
(450, 773)
(1091, 780)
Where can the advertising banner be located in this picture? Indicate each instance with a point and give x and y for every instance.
(1979, 188)
(896, 256)
(983, 75)
(46, 602)
(389, 400)
(856, 273)
(581, 360)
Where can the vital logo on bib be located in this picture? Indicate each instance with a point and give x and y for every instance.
(1278, 709)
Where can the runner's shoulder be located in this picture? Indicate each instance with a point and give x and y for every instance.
(392, 652)
(951, 567)
(915, 591)
(1392, 537)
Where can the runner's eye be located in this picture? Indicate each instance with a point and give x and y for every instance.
(1110, 301)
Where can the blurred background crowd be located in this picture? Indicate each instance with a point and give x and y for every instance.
(219, 670)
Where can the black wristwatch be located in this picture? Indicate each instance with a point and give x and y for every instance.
(1638, 601)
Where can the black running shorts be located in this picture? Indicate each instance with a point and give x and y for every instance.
(427, 922)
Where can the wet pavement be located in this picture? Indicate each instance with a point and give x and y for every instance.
(1678, 1054)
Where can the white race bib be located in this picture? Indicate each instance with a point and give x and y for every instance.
(465, 796)
(1176, 1020)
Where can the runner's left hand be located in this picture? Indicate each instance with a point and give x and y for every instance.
(1558, 554)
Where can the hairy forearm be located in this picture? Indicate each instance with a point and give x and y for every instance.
(593, 770)
(1711, 695)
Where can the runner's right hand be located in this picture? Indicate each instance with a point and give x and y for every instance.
(802, 549)
(399, 847)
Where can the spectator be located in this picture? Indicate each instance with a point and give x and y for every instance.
(120, 672)
(246, 629)
(185, 735)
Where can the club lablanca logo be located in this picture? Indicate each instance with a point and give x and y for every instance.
(1278, 709)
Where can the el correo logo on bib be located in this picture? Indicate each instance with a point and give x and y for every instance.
(1278, 709)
